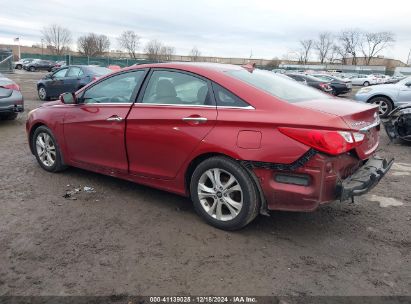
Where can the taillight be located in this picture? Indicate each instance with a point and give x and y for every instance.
(11, 86)
(325, 86)
(330, 142)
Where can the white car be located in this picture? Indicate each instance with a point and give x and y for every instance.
(363, 80)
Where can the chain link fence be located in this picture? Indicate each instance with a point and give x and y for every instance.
(86, 60)
(6, 61)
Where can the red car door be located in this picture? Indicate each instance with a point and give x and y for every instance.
(173, 114)
(94, 128)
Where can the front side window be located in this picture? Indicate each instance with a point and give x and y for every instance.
(60, 74)
(116, 89)
(167, 87)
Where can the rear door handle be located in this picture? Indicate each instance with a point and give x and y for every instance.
(195, 119)
(114, 118)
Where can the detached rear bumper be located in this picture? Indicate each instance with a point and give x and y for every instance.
(364, 179)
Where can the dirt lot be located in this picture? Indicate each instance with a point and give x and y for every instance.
(129, 239)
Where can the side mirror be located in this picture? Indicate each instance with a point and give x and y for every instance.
(68, 98)
(408, 84)
(48, 76)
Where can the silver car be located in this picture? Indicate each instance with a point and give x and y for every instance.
(11, 100)
(363, 80)
(387, 96)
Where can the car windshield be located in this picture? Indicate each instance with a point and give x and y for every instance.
(283, 88)
(99, 71)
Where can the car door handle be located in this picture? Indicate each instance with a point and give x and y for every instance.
(114, 118)
(195, 119)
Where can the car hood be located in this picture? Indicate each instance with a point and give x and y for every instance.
(51, 103)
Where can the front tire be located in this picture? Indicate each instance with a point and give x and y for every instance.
(46, 150)
(385, 105)
(32, 69)
(19, 67)
(366, 84)
(224, 194)
(42, 92)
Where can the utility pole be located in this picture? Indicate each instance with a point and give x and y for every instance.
(408, 59)
(18, 46)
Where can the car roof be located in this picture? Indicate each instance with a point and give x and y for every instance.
(197, 66)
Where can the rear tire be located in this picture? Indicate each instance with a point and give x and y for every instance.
(46, 149)
(224, 194)
(385, 105)
(366, 84)
(19, 67)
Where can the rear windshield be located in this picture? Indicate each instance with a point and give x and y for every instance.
(99, 71)
(280, 87)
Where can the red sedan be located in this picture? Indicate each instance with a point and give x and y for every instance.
(239, 141)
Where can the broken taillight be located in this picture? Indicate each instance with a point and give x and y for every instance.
(330, 142)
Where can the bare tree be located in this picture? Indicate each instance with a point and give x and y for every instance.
(58, 37)
(273, 63)
(323, 45)
(374, 43)
(350, 41)
(129, 41)
(93, 44)
(157, 51)
(167, 52)
(306, 46)
(194, 54)
(333, 53)
(153, 50)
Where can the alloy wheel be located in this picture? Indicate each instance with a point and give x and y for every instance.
(220, 194)
(46, 149)
(383, 106)
(42, 93)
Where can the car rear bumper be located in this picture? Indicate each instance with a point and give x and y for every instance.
(364, 179)
(321, 179)
(13, 103)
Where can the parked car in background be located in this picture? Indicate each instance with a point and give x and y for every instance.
(39, 65)
(68, 79)
(395, 79)
(339, 86)
(58, 65)
(19, 64)
(224, 135)
(387, 96)
(363, 80)
(11, 100)
(312, 82)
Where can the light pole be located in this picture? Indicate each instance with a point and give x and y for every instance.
(17, 39)
(408, 59)
(42, 42)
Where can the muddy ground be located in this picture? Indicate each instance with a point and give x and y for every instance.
(130, 239)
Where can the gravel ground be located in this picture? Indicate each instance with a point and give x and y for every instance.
(130, 239)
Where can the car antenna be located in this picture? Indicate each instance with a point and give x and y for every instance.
(249, 66)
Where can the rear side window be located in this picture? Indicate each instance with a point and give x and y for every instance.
(227, 99)
(170, 87)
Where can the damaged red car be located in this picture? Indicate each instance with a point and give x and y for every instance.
(239, 141)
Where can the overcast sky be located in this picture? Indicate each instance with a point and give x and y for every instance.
(231, 28)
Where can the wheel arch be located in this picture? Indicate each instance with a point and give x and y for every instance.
(380, 95)
(202, 157)
(31, 133)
